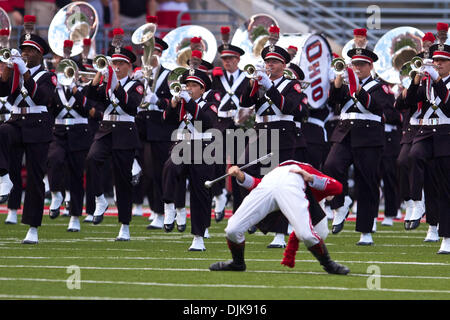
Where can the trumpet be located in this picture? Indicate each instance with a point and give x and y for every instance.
(100, 62)
(407, 71)
(6, 55)
(250, 71)
(339, 66)
(417, 63)
(176, 88)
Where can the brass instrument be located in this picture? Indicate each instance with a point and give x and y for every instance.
(417, 63)
(174, 81)
(75, 21)
(252, 37)
(339, 66)
(407, 71)
(179, 51)
(6, 55)
(5, 24)
(395, 48)
(145, 36)
(66, 72)
(250, 71)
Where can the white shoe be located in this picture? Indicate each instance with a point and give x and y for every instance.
(124, 233)
(340, 214)
(89, 218)
(31, 237)
(5, 186)
(169, 216)
(206, 235)
(157, 223)
(12, 217)
(101, 205)
(74, 224)
(399, 215)
(181, 219)
(409, 206)
(432, 234)
(151, 216)
(137, 210)
(197, 244)
(66, 212)
(328, 211)
(445, 246)
(374, 226)
(220, 201)
(418, 210)
(57, 200)
(278, 241)
(365, 239)
(388, 221)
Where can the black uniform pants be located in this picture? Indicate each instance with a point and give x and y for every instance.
(443, 169)
(12, 147)
(424, 175)
(366, 162)
(200, 197)
(15, 174)
(390, 185)
(122, 162)
(59, 156)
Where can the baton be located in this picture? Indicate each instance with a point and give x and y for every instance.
(208, 183)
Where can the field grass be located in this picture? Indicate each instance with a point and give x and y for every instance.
(157, 265)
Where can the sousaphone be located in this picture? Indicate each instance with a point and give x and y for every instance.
(179, 51)
(394, 49)
(5, 27)
(76, 21)
(252, 37)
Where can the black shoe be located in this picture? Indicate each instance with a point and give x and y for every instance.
(227, 266)
(73, 230)
(4, 198)
(97, 219)
(271, 246)
(150, 227)
(407, 224)
(252, 230)
(136, 178)
(54, 213)
(219, 215)
(443, 252)
(337, 228)
(336, 268)
(362, 243)
(122, 239)
(413, 224)
(181, 227)
(169, 227)
(29, 242)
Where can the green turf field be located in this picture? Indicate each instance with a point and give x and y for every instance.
(157, 265)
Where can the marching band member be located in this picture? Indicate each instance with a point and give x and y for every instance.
(117, 136)
(230, 82)
(155, 135)
(29, 89)
(431, 140)
(190, 112)
(275, 107)
(70, 145)
(358, 139)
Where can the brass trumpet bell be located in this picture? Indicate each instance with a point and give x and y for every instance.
(66, 72)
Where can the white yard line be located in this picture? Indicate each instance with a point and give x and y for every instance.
(179, 285)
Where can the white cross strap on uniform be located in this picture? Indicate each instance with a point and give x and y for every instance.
(389, 127)
(193, 133)
(435, 110)
(24, 95)
(364, 113)
(279, 116)
(4, 103)
(122, 116)
(319, 123)
(230, 94)
(68, 110)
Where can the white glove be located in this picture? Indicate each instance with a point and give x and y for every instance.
(185, 95)
(20, 63)
(331, 75)
(431, 71)
(150, 97)
(264, 80)
(138, 75)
